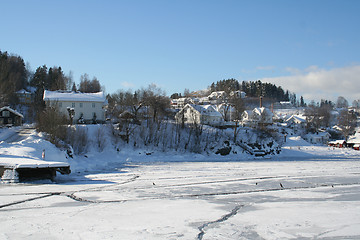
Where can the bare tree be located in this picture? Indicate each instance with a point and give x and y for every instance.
(317, 117)
(89, 86)
(52, 122)
(156, 100)
(356, 103)
(342, 102)
(347, 122)
(238, 104)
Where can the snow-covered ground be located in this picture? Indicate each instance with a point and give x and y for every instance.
(127, 194)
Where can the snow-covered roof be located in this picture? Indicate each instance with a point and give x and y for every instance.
(317, 135)
(261, 110)
(23, 162)
(218, 94)
(297, 118)
(74, 96)
(337, 142)
(354, 139)
(238, 93)
(284, 102)
(27, 90)
(336, 127)
(11, 110)
(206, 110)
(23, 91)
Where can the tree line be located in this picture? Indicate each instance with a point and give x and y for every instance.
(13, 76)
(256, 89)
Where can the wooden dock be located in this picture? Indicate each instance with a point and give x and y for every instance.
(17, 169)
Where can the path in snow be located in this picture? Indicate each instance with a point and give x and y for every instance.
(18, 134)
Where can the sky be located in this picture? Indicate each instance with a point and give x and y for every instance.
(311, 48)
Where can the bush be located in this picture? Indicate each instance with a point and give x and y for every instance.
(52, 122)
(77, 137)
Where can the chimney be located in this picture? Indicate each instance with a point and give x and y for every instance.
(261, 101)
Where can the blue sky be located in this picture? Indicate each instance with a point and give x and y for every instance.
(309, 47)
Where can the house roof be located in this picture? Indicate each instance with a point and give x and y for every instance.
(337, 142)
(74, 96)
(11, 110)
(297, 118)
(206, 110)
(23, 91)
(318, 135)
(261, 110)
(354, 139)
(218, 94)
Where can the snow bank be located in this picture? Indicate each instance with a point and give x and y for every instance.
(105, 154)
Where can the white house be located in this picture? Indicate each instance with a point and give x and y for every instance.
(298, 121)
(179, 103)
(318, 137)
(238, 94)
(258, 116)
(87, 106)
(217, 95)
(199, 114)
(25, 97)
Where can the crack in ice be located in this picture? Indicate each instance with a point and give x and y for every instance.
(29, 199)
(222, 219)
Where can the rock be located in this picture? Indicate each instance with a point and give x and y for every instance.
(224, 151)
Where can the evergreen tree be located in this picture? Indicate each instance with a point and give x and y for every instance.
(13, 77)
(302, 103)
(73, 88)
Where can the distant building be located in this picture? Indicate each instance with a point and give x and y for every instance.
(9, 116)
(217, 95)
(179, 103)
(258, 116)
(25, 97)
(318, 137)
(88, 107)
(337, 143)
(238, 94)
(283, 105)
(199, 114)
(296, 121)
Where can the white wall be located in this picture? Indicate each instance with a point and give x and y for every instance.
(86, 108)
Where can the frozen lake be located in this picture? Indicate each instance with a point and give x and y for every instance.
(190, 200)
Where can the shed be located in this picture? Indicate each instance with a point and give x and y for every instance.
(337, 143)
(9, 116)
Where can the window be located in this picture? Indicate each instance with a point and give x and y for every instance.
(93, 105)
(6, 114)
(73, 104)
(60, 104)
(81, 104)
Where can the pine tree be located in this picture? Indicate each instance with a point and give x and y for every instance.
(74, 87)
